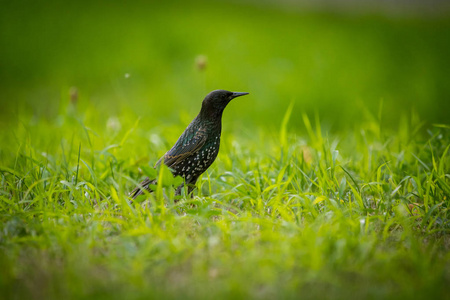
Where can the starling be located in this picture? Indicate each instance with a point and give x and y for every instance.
(198, 146)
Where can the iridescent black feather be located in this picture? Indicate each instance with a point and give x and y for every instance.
(198, 146)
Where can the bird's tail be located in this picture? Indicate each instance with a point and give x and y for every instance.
(142, 187)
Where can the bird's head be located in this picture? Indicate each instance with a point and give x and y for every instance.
(216, 101)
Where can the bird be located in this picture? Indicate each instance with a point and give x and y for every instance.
(197, 147)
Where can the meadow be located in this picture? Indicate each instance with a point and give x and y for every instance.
(332, 180)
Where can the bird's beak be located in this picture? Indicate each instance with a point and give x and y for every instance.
(235, 94)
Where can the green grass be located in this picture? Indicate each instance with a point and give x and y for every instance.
(363, 214)
(332, 181)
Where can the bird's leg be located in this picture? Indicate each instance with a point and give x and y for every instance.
(178, 190)
(190, 187)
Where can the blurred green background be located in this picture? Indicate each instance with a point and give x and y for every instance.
(142, 57)
(353, 204)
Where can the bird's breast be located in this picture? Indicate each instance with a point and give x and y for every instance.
(210, 150)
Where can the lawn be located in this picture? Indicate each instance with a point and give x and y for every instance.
(332, 181)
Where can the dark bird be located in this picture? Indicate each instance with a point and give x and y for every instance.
(198, 146)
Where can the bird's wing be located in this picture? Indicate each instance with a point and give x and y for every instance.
(188, 144)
